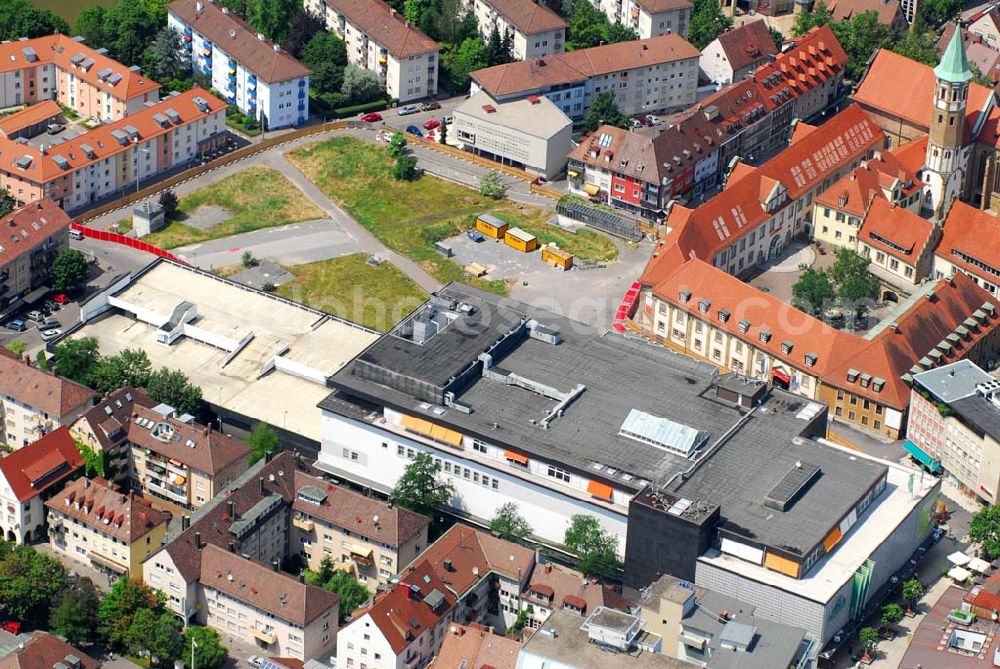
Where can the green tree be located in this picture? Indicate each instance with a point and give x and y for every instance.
(813, 291)
(326, 55)
(173, 388)
(238, 7)
(326, 568)
(595, 548)
(855, 284)
(17, 347)
(89, 24)
(415, 11)
(130, 367)
(806, 21)
(74, 615)
(604, 111)
(491, 185)
(919, 45)
(76, 359)
(616, 32)
(43, 360)
(70, 270)
(168, 200)
(262, 440)
(494, 48)
(978, 77)
(129, 27)
(936, 12)
(271, 16)
(209, 653)
(304, 26)
(119, 609)
(352, 594)
(892, 613)
(95, 463)
(468, 57)
(912, 591)
(397, 145)
(861, 36)
(587, 26)
(248, 260)
(985, 531)
(19, 18)
(7, 202)
(777, 37)
(361, 85)
(166, 59)
(419, 488)
(509, 524)
(868, 638)
(405, 168)
(29, 582)
(708, 21)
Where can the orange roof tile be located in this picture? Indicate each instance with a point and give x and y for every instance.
(896, 231)
(816, 58)
(41, 464)
(390, 29)
(474, 648)
(888, 10)
(854, 192)
(43, 111)
(471, 554)
(21, 232)
(401, 613)
(750, 43)
(129, 517)
(527, 16)
(973, 233)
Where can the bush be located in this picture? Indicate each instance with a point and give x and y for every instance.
(354, 110)
(269, 287)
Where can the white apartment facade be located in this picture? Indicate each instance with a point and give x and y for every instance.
(535, 30)
(649, 18)
(34, 402)
(253, 73)
(378, 39)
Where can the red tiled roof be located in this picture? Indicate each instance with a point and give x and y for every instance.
(529, 75)
(44, 169)
(42, 650)
(904, 229)
(527, 16)
(197, 446)
(23, 231)
(472, 555)
(889, 11)
(62, 51)
(658, 6)
(41, 464)
(816, 58)
(391, 30)
(401, 613)
(853, 193)
(112, 414)
(129, 517)
(239, 40)
(912, 154)
(748, 44)
(975, 233)
(43, 111)
(475, 648)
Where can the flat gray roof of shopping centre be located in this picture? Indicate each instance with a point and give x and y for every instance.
(953, 382)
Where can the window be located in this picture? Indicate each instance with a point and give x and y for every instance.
(478, 446)
(558, 474)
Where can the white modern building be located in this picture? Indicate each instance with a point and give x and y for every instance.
(534, 30)
(649, 18)
(532, 134)
(253, 73)
(380, 40)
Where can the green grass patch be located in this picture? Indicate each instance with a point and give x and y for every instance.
(410, 216)
(378, 296)
(257, 197)
(124, 226)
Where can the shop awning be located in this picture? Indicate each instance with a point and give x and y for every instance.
(516, 457)
(959, 559)
(922, 456)
(107, 564)
(601, 490)
(361, 551)
(572, 174)
(179, 480)
(591, 189)
(781, 376)
(959, 574)
(429, 429)
(976, 564)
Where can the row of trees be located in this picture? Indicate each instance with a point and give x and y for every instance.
(80, 360)
(420, 489)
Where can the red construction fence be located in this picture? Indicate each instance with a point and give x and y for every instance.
(114, 237)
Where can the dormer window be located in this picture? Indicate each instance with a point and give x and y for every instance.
(852, 375)
(811, 359)
(765, 336)
(786, 347)
(743, 326)
(685, 296)
(704, 305)
(723, 315)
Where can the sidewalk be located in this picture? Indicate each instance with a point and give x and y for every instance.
(890, 652)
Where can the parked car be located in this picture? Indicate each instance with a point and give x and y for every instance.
(49, 324)
(432, 123)
(49, 335)
(75, 234)
(430, 106)
(447, 120)
(371, 117)
(35, 315)
(653, 120)
(641, 120)
(17, 325)
(11, 626)
(408, 109)
(60, 298)
(414, 130)
(475, 235)
(255, 661)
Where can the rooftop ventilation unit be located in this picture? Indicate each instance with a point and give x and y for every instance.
(791, 486)
(662, 433)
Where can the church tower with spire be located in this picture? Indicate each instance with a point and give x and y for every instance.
(947, 157)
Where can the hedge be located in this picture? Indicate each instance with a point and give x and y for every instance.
(353, 110)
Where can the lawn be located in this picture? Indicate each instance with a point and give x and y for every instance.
(257, 197)
(410, 216)
(377, 296)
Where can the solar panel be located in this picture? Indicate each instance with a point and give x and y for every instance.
(783, 495)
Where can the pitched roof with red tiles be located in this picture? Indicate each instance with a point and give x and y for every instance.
(356, 513)
(29, 116)
(972, 233)
(41, 464)
(70, 55)
(262, 587)
(896, 231)
(552, 586)
(889, 12)
(748, 44)
(42, 650)
(476, 648)
(234, 36)
(197, 446)
(22, 231)
(44, 168)
(898, 86)
(463, 556)
(44, 391)
(854, 192)
(924, 321)
(402, 614)
(388, 28)
(527, 16)
(109, 418)
(658, 6)
(530, 75)
(816, 58)
(124, 516)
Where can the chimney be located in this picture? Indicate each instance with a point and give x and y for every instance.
(231, 507)
(448, 565)
(260, 480)
(197, 540)
(185, 522)
(232, 546)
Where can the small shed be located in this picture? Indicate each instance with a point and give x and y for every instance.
(147, 217)
(491, 226)
(557, 257)
(520, 240)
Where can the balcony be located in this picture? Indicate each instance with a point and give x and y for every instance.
(304, 523)
(268, 637)
(362, 555)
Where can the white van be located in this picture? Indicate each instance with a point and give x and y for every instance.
(75, 234)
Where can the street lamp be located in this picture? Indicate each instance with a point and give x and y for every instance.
(193, 646)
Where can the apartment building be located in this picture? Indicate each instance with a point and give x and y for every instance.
(900, 245)
(648, 76)
(735, 54)
(31, 475)
(37, 233)
(94, 523)
(34, 402)
(954, 427)
(534, 30)
(95, 164)
(553, 588)
(476, 646)
(41, 649)
(64, 69)
(104, 427)
(969, 245)
(363, 535)
(649, 18)
(175, 459)
(380, 40)
(266, 608)
(254, 74)
(532, 134)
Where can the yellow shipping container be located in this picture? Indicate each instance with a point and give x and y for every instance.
(491, 226)
(558, 257)
(521, 240)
